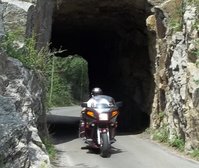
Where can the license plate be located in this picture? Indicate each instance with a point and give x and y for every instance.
(103, 117)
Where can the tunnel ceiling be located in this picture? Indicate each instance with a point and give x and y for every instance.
(112, 36)
(115, 16)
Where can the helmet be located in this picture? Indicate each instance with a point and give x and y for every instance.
(96, 91)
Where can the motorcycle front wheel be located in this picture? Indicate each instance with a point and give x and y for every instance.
(105, 145)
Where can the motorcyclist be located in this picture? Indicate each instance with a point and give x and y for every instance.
(95, 92)
(96, 97)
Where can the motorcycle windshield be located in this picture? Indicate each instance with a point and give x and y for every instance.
(102, 106)
(103, 103)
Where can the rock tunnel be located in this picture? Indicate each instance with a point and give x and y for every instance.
(112, 36)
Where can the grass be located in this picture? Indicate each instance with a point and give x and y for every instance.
(195, 154)
(161, 135)
(50, 148)
(177, 143)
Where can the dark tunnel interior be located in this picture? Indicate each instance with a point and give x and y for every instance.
(113, 38)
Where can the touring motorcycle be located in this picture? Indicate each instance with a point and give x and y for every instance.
(99, 123)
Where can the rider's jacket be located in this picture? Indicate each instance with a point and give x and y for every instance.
(104, 100)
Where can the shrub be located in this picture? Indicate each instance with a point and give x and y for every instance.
(66, 78)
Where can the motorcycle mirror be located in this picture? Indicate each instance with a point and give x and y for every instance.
(119, 104)
(84, 104)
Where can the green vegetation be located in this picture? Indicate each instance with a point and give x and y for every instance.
(26, 53)
(195, 26)
(68, 74)
(66, 78)
(161, 115)
(175, 24)
(196, 52)
(195, 154)
(177, 143)
(161, 134)
(194, 2)
(50, 148)
(196, 82)
(175, 20)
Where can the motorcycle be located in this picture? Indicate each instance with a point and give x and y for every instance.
(99, 123)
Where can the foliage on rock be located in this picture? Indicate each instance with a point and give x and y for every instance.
(66, 78)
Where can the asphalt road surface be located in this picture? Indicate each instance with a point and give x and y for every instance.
(129, 151)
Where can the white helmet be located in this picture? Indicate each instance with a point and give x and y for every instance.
(96, 91)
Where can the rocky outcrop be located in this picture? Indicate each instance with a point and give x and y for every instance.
(15, 16)
(42, 24)
(21, 108)
(176, 74)
(22, 96)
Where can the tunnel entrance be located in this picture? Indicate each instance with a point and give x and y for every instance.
(113, 38)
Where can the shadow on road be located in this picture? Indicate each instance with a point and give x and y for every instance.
(63, 132)
(113, 150)
(65, 128)
(59, 119)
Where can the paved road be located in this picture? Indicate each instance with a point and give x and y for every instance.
(130, 151)
(64, 115)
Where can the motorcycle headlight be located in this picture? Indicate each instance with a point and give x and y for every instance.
(90, 113)
(114, 113)
(103, 117)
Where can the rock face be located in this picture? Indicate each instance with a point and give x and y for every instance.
(21, 108)
(177, 76)
(14, 16)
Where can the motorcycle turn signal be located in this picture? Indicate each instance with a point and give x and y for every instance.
(114, 113)
(90, 113)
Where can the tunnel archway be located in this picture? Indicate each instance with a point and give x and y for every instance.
(113, 38)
